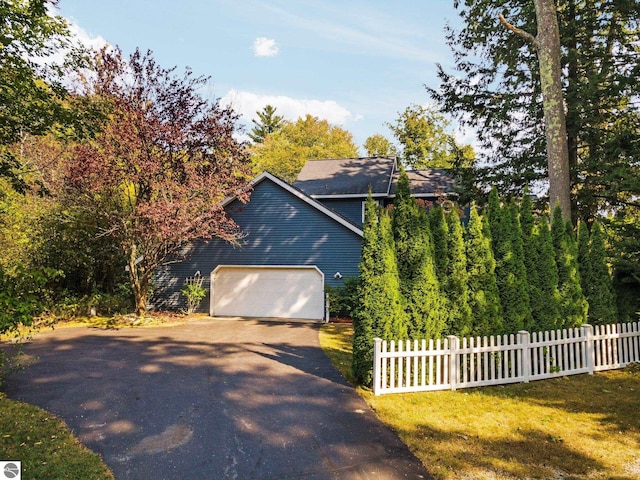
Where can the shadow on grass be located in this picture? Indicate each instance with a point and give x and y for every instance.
(613, 395)
(517, 457)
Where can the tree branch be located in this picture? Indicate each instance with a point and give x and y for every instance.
(521, 33)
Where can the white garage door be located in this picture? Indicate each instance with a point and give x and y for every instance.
(284, 292)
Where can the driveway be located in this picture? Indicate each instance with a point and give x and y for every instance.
(211, 399)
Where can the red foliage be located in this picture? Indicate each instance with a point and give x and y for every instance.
(161, 165)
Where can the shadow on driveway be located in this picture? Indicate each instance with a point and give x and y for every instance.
(211, 399)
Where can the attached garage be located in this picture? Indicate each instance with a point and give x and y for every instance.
(267, 291)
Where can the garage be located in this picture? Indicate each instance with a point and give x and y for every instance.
(267, 291)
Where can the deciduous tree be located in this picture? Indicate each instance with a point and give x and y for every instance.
(158, 171)
(378, 146)
(284, 152)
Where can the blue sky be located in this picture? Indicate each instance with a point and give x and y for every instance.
(355, 63)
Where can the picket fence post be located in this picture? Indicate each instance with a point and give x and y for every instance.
(377, 380)
(454, 375)
(587, 333)
(524, 339)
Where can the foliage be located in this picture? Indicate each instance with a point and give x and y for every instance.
(284, 152)
(506, 238)
(543, 282)
(194, 292)
(597, 286)
(45, 445)
(495, 89)
(425, 141)
(381, 312)
(343, 300)
(573, 305)
(22, 296)
(156, 172)
(33, 98)
(440, 234)
(419, 284)
(268, 122)
(624, 235)
(364, 320)
(456, 287)
(378, 146)
(484, 297)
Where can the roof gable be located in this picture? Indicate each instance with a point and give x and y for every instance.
(346, 177)
(428, 182)
(303, 197)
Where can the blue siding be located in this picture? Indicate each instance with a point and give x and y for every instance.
(349, 208)
(280, 229)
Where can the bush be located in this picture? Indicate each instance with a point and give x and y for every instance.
(343, 300)
(194, 292)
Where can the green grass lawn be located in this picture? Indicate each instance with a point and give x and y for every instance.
(44, 445)
(579, 427)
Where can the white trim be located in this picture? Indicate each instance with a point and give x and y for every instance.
(350, 195)
(301, 196)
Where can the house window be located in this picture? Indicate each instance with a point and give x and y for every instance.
(364, 203)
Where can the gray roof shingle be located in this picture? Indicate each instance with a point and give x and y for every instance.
(427, 182)
(346, 176)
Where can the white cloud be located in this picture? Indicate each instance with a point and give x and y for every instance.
(247, 104)
(265, 47)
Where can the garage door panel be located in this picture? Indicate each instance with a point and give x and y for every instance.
(286, 292)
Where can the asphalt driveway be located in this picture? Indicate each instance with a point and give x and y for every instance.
(211, 399)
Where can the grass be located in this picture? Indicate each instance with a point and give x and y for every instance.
(578, 427)
(44, 445)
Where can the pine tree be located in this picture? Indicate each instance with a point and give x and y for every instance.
(268, 122)
(599, 287)
(484, 298)
(523, 304)
(573, 305)
(545, 298)
(457, 288)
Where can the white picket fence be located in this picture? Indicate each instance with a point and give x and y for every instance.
(449, 363)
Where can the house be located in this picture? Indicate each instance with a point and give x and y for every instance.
(296, 239)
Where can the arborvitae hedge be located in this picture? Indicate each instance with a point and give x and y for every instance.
(598, 285)
(456, 287)
(573, 305)
(545, 301)
(484, 298)
(510, 270)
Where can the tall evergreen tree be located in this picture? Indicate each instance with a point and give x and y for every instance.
(381, 312)
(440, 234)
(391, 315)
(457, 288)
(418, 281)
(506, 241)
(267, 123)
(497, 80)
(545, 297)
(583, 254)
(598, 287)
(484, 298)
(573, 305)
(364, 319)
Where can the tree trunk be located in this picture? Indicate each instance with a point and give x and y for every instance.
(547, 44)
(555, 127)
(139, 278)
